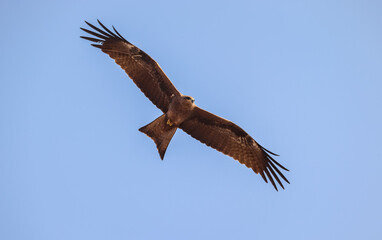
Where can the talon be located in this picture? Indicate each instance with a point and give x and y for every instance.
(169, 123)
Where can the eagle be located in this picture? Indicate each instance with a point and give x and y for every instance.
(180, 111)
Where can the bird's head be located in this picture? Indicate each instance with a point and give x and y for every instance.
(189, 98)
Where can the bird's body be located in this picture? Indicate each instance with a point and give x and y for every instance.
(180, 111)
(163, 128)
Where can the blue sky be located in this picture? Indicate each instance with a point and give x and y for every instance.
(302, 77)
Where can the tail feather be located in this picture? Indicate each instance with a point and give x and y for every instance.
(159, 131)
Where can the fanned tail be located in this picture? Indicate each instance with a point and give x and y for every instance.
(161, 132)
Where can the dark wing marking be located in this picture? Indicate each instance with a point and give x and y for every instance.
(230, 139)
(141, 68)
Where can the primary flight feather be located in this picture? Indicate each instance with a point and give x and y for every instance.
(180, 111)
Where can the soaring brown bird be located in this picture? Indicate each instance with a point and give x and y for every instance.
(180, 111)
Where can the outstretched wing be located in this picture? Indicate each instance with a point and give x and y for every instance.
(141, 68)
(230, 139)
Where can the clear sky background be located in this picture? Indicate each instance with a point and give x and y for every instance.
(304, 78)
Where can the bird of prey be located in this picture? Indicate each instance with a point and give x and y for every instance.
(180, 111)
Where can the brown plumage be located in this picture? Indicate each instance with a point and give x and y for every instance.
(181, 112)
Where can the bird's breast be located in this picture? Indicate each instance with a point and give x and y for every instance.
(179, 110)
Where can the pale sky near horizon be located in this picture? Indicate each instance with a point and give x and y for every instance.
(303, 78)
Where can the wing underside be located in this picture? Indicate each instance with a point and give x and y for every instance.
(230, 139)
(141, 68)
